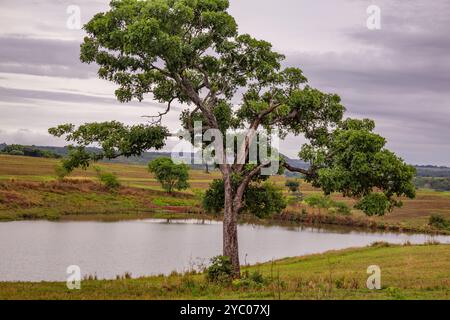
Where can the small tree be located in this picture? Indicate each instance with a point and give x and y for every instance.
(108, 179)
(170, 175)
(293, 186)
(61, 171)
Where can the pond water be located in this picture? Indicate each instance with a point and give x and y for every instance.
(42, 250)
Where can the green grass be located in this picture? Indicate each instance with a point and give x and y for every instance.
(167, 201)
(407, 272)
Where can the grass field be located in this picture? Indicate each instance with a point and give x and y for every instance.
(407, 272)
(29, 190)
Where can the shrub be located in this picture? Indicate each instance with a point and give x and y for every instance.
(220, 270)
(261, 200)
(439, 222)
(251, 280)
(318, 201)
(264, 200)
(342, 208)
(170, 175)
(61, 171)
(325, 202)
(108, 179)
(214, 197)
(293, 185)
(374, 204)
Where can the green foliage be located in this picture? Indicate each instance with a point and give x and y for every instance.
(325, 202)
(341, 208)
(318, 201)
(293, 185)
(433, 171)
(439, 222)
(170, 175)
(395, 293)
(354, 161)
(20, 150)
(438, 184)
(260, 199)
(374, 204)
(264, 199)
(108, 179)
(61, 171)
(214, 197)
(114, 138)
(251, 280)
(220, 270)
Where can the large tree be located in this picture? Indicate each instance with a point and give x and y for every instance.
(190, 52)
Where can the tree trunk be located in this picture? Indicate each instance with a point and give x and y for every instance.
(206, 168)
(230, 235)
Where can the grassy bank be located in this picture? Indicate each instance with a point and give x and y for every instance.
(29, 190)
(407, 272)
(86, 199)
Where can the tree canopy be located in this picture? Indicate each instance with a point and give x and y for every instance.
(169, 174)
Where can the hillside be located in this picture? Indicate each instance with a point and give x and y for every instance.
(144, 159)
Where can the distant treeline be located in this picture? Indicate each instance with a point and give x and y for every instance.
(29, 151)
(59, 152)
(439, 184)
(433, 171)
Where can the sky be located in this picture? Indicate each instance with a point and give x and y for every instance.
(398, 75)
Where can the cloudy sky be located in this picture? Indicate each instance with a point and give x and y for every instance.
(399, 75)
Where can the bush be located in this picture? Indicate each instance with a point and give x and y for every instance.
(253, 280)
(342, 208)
(374, 204)
(261, 200)
(214, 197)
(293, 185)
(170, 175)
(220, 270)
(108, 179)
(319, 201)
(264, 200)
(61, 171)
(439, 222)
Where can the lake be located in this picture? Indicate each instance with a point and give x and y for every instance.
(42, 250)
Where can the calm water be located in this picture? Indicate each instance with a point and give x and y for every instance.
(42, 250)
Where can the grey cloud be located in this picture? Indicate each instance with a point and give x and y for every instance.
(43, 57)
(399, 75)
(22, 95)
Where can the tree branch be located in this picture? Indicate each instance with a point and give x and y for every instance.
(244, 184)
(294, 169)
(161, 114)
